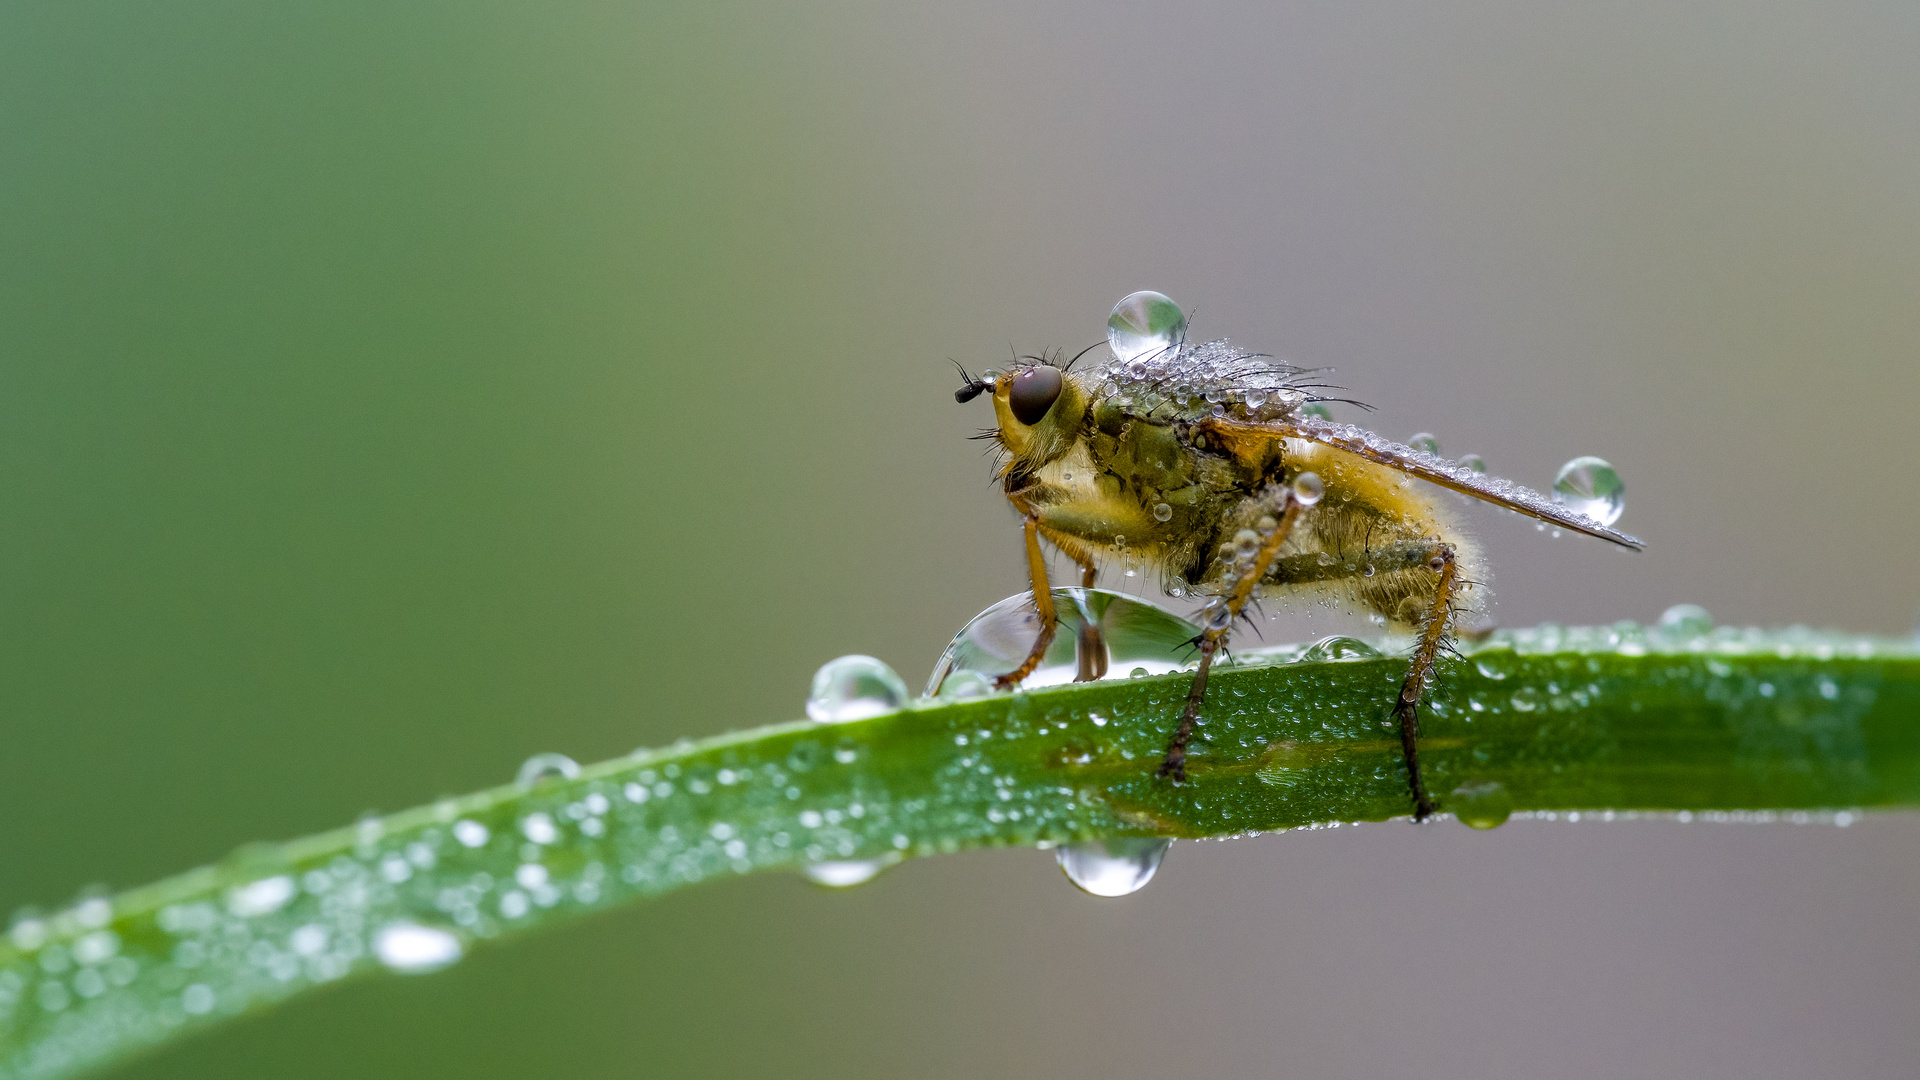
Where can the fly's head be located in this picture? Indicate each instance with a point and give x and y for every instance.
(1039, 408)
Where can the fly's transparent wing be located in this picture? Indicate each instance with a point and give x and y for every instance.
(1432, 468)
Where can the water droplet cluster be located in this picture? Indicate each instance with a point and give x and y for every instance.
(1154, 369)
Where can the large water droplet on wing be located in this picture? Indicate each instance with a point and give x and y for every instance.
(1145, 324)
(1589, 486)
(854, 688)
(412, 949)
(1138, 636)
(1112, 867)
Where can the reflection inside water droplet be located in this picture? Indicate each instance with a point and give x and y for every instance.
(1589, 486)
(1115, 866)
(1485, 805)
(854, 688)
(412, 949)
(543, 767)
(1138, 637)
(1144, 324)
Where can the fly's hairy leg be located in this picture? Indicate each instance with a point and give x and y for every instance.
(1042, 603)
(1174, 767)
(1433, 636)
(1090, 653)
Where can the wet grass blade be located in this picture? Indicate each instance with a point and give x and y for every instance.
(1542, 721)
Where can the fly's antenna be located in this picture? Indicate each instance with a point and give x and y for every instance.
(1081, 353)
(970, 387)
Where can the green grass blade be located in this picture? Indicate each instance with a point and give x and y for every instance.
(1537, 721)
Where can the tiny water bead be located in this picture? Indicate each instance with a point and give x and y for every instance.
(844, 873)
(1590, 486)
(1686, 620)
(1162, 512)
(544, 767)
(1144, 324)
(854, 688)
(1308, 488)
(412, 949)
(1116, 866)
(1426, 441)
(1485, 805)
(1475, 462)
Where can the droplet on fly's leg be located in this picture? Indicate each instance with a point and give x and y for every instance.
(1589, 486)
(1145, 324)
(541, 768)
(1308, 488)
(1116, 866)
(854, 688)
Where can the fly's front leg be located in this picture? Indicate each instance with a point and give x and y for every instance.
(1042, 602)
(1090, 652)
(1219, 616)
(1433, 636)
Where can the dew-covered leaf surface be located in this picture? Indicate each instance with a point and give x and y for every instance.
(1621, 720)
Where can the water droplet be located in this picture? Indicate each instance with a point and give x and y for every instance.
(1485, 805)
(541, 768)
(1526, 699)
(966, 685)
(1246, 543)
(1475, 462)
(1425, 441)
(1162, 512)
(412, 949)
(1143, 325)
(1686, 620)
(470, 833)
(1216, 614)
(1316, 410)
(854, 688)
(1138, 673)
(1589, 486)
(1308, 488)
(844, 874)
(1115, 866)
(263, 897)
(1134, 632)
(1490, 670)
(1337, 647)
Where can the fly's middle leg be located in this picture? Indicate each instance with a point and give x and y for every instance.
(1220, 616)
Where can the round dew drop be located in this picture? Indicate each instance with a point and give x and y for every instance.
(1117, 866)
(1686, 620)
(544, 767)
(1475, 462)
(1425, 441)
(412, 949)
(1308, 488)
(1589, 486)
(854, 688)
(1162, 512)
(1144, 325)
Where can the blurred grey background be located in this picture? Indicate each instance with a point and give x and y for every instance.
(390, 392)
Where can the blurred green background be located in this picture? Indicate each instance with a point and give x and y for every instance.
(389, 392)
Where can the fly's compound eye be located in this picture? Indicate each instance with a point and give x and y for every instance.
(1034, 391)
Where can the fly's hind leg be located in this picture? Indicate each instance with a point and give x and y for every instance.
(1219, 616)
(1433, 636)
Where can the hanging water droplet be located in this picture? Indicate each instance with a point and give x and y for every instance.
(1308, 488)
(1475, 462)
(1115, 866)
(854, 688)
(544, 767)
(1486, 805)
(1589, 486)
(1686, 620)
(1425, 441)
(1162, 512)
(844, 873)
(1145, 324)
(1337, 647)
(412, 949)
